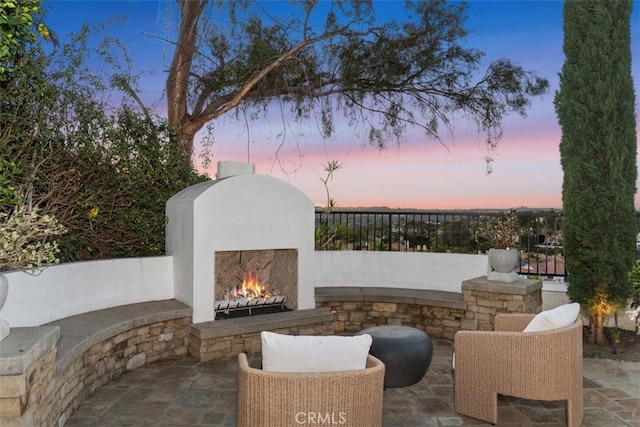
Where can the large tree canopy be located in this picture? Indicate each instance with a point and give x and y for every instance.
(323, 58)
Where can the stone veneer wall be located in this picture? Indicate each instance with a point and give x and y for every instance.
(110, 359)
(438, 322)
(440, 314)
(224, 339)
(39, 387)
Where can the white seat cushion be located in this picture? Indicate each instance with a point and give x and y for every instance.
(306, 353)
(558, 317)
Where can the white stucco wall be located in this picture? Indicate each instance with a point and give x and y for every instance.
(78, 287)
(242, 212)
(74, 288)
(415, 270)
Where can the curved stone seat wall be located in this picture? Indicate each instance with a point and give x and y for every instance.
(46, 372)
(440, 314)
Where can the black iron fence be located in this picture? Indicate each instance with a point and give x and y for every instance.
(538, 236)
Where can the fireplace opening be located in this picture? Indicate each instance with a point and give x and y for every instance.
(253, 282)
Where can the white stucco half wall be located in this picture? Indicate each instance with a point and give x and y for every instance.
(78, 287)
(414, 270)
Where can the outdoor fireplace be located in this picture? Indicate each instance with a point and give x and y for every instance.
(215, 239)
(254, 282)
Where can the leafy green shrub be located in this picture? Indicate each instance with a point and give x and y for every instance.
(128, 178)
(103, 169)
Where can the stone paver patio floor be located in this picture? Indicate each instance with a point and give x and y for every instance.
(185, 392)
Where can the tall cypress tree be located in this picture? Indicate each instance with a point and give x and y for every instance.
(595, 108)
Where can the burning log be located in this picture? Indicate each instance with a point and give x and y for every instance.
(251, 294)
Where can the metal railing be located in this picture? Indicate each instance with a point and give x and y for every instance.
(539, 239)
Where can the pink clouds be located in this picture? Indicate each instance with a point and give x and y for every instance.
(416, 174)
(420, 174)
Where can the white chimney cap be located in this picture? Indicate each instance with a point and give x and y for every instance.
(228, 168)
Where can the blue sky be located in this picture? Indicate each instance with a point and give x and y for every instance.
(418, 174)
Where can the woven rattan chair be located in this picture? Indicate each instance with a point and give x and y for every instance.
(538, 365)
(278, 399)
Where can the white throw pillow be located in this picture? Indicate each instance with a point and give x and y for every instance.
(558, 317)
(306, 353)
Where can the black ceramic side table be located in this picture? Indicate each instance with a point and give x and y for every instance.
(406, 353)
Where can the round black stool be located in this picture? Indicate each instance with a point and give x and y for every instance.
(406, 353)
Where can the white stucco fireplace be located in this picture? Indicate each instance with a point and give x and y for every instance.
(238, 213)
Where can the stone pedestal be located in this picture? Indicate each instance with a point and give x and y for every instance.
(485, 298)
(27, 359)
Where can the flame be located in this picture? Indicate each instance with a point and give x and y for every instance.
(251, 287)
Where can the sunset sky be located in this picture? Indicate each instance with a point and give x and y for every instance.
(419, 174)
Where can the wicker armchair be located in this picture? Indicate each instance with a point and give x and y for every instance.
(538, 365)
(278, 399)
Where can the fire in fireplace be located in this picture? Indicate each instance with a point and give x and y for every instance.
(249, 288)
(267, 283)
(248, 298)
